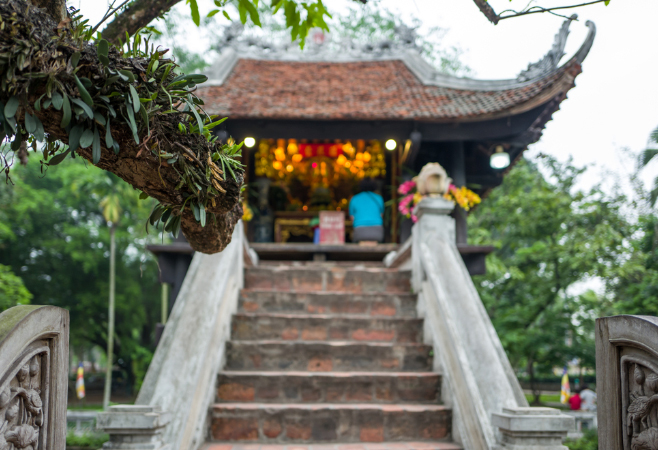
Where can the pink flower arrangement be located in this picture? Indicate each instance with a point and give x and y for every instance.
(407, 187)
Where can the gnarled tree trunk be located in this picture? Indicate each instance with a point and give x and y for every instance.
(34, 32)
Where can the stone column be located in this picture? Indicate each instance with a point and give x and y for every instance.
(134, 427)
(525, 428)
(433, 219)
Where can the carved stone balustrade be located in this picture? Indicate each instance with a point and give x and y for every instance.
(627, 382)
(34, 356)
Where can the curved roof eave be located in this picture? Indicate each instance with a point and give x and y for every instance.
(425, 72)
(429, 76)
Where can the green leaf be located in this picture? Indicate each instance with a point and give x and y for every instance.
(66, 113)
(37, 104)
(108, 134)
(30, 124)
(99, 118)
(111, 80)
(202, 214)
(96, 147)
(88, 111)
(87, 138)
(145, 118)
(39, 134)
(135, 98)
(84, 94)
(213, 12)
(253, 12)
(74, 137)
(58, 158)
(196, 116)
(46, 103)
(196, 211)
(57, 100)
(75, 59)
(195, 12)
(143, 196)
(103, 47)
(227, 16)
(128, 75)
(131, 119)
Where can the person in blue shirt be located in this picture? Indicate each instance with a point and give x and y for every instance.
(367, 212)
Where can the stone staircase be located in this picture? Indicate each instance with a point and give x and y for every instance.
(328, 356)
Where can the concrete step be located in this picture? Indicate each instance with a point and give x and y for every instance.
(347, 387)
(305, 327)
(366, 304)
(324, 279)
(328, 422)
(327, 356)
(337, 446)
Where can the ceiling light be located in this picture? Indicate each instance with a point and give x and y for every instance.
(391, 144)
(249, 142)
(499, 158)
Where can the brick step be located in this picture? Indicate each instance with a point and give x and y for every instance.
(322, 279)
(366, 304)
(305, 327)
(327, 356)
(327, 422)
(348, 387)
(336, 446)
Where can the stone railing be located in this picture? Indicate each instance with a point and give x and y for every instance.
(34, 357)
(172, 406)
(489, 408)
(627, 382)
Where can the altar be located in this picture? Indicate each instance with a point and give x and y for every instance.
(295, 226)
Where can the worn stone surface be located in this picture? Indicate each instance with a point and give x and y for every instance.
(368, 304)
(335, 387)
(323, 357)
(327, 279)
(627, 382)
(328, 422)
(328, 353)
(304, 327)
(34, 354)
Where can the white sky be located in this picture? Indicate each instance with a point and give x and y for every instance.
(615, 102)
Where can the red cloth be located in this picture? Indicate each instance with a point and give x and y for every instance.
(574, 402)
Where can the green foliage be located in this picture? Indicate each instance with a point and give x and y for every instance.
(120, 94)
(58, 240)
(86, 440)
(12, 289)
(589, 441)
(549, 237)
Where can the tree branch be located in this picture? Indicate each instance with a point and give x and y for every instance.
(539, 9)
(487, 10)
(137, 15)
(33, 32)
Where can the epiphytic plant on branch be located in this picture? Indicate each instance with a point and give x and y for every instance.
(126, 110)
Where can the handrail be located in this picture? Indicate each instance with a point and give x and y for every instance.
(473, 361)
(181, 378)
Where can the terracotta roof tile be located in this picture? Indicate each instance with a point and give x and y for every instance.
(368, 90)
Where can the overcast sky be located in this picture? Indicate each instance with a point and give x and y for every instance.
(615, 102)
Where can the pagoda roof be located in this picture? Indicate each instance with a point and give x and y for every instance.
(389, 82)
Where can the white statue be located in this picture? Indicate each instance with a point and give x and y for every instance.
(432, 180)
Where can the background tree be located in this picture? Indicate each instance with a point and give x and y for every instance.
(549, 237)
(56, 238)
(12, 289)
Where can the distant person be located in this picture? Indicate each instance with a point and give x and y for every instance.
(575, 401)
(588, 399)
(367, 212)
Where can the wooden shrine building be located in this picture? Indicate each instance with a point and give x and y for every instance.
(320, 118)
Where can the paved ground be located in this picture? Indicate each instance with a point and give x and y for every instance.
(382, 446)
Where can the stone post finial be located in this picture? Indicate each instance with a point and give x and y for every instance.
(525, 428)
(134, 427)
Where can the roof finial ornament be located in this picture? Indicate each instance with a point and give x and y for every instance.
(550, 61)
